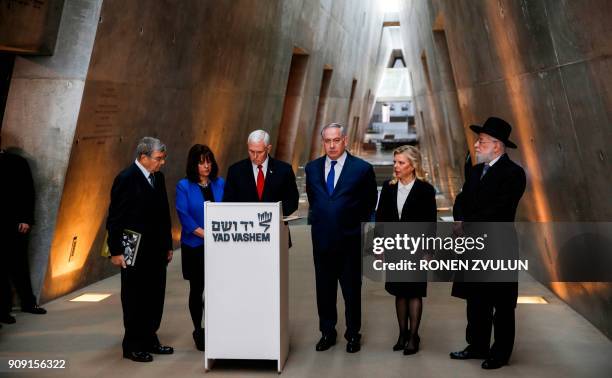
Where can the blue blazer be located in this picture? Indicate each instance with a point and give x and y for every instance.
(190, 208)
(336, 219)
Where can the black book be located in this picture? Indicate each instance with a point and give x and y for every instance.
(130, 241)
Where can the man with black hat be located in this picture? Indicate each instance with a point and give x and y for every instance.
(491, 193)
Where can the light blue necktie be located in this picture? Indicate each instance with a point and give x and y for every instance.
(331, 176)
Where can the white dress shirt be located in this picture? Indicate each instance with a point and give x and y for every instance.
(337, 167)
(144, 171)
(402, 194)
(264, 168)
(494, 160)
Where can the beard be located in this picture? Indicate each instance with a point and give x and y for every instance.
(484, 158)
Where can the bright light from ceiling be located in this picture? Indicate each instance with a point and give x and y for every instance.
(91, 297)
(389, 6)
(525, 299)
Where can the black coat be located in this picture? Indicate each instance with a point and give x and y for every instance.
(240, 184)
(420, 206)
(16, 191)
(137, 206)
(495, 197)
(492, 199)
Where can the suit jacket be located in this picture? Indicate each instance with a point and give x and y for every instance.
(137, 206)
(492, 199)
(240, 184)
(420, 206)
(336, 219)
(16, 191)
(190, 207)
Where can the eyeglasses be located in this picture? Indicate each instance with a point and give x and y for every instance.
(159, 158)
(482, 141)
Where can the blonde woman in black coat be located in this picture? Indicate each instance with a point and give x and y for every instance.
(407, 198)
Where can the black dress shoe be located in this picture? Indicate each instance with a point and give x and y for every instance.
(492, 363)
(353, 345)
(7, 319)
(326, 342)
(161, 349)
(198, 338)
(467, 354)
(412, 346)
(34, 310)
(138, 356)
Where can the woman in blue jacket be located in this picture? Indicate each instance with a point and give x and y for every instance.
(200, 185)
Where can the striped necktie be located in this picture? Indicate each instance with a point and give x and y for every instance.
(484, 170)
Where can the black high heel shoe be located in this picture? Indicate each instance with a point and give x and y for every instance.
(412, 346)
(198, 338)
(401, 343)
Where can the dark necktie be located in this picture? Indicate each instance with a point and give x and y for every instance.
(260, 182)
(484, 170)
(152, 179)
(331, 176)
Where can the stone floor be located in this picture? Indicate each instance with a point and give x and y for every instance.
(552, 340)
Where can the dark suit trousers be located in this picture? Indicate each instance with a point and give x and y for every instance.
(15, 269)
(341, 264)
(482, 315)
(142, 298)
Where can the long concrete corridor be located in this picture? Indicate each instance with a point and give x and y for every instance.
(552, 340)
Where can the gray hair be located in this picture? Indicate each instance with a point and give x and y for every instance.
(148, 145)
(258, 136)
(334, 125)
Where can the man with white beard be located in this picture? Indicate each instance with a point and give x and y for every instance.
(491, 193)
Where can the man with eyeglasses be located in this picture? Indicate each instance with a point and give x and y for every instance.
(342, 193)
(139, 204)
(491, 193)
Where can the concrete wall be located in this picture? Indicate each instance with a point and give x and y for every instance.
(30, 26)
(186, 72)
(545, 67)
(41, 118)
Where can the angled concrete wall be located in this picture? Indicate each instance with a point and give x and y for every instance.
(41, 118)
(206, 72)
(544, 66)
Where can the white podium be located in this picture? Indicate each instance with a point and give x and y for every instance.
(245, 282)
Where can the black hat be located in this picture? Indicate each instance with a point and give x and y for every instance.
(497, 128)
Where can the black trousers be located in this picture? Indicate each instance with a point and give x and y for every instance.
(14, 269)
(482, 316)
(143, 290)
(333, 266)
(193, 271)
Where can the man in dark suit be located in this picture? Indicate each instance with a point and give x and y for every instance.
(139, 203)
(260, 178)
(491, 193)
(16, 220)
(342, 193)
